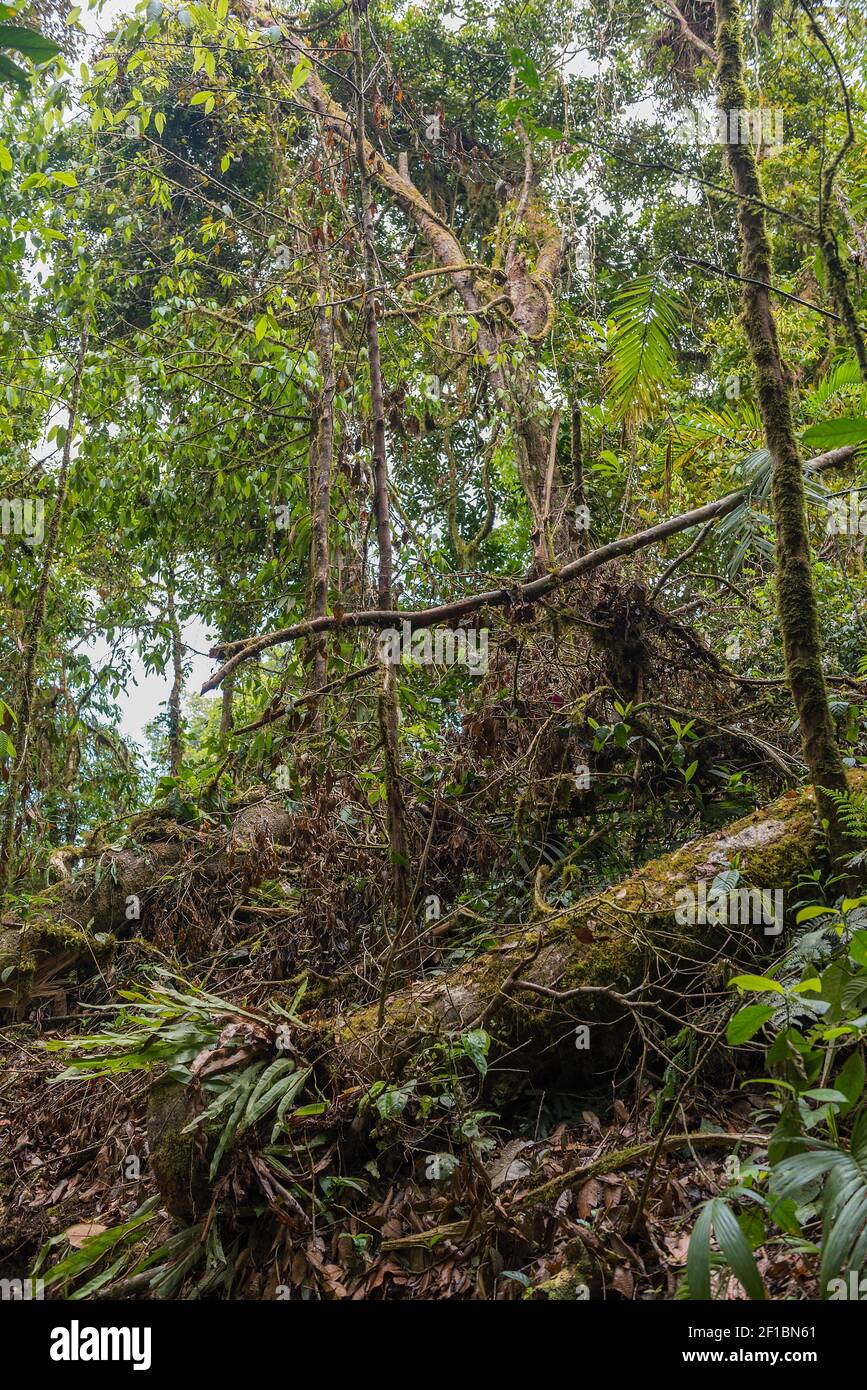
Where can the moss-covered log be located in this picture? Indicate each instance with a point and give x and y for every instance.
(119, 891)
(531, 990)
(594, 952)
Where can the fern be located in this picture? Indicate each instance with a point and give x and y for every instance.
(852, 810)
(645, 320)
(749, 526)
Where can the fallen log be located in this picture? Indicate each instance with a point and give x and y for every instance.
(76, 920)
(617, 956)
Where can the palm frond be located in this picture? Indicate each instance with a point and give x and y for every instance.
(645, 318)
(844, 1197)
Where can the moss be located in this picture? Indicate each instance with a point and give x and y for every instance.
(178, 1161)
(796, 599)
(32, 955)
(569, 1284)
(604, 941)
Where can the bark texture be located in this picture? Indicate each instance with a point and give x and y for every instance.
(796, 599)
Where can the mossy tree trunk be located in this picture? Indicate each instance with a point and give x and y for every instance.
(796, 599)
(176, 749)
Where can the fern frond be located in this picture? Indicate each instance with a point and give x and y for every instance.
(840, 376)
(852, 810)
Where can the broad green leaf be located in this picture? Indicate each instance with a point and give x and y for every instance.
(832, 434)
(746, 1023)
(29, 42)
(756, 984)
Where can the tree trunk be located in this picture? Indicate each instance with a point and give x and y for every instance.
(176, 750)
(33, 630)
(321, 461)
(528, 292)
(796, 599)
(388, 710)
(582, 961)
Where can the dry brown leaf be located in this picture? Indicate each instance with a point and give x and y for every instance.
(588, 1198)
(77, 1235)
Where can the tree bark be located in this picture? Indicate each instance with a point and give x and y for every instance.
(387, 703)
(33, 630)
(615, 954)
(796, 599)
(321, 461)
(176, 750)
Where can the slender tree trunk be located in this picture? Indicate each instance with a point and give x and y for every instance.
(519, 389)
(176, 751)
(838, 280)
(576, 451)
(838, 285)
(227, 713)
(796, 599)
(388, 708)
(321, 462)
(33, 629)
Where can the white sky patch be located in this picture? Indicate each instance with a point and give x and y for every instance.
(583, 63)
(147, 692)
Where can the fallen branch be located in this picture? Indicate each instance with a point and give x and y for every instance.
(519, 594)
(549, 1191)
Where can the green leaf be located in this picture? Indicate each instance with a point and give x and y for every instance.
(525, 68)
(10, 72)
(300, 74)
(736, 1249)
(698, 1255)
(29, 42)
(476, 1045)
(831, 434)
(645, 323)
(394, 1099)
(747, 1022)
(94, 1248)
(807, 914)
(756, 984)
(5, 158)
